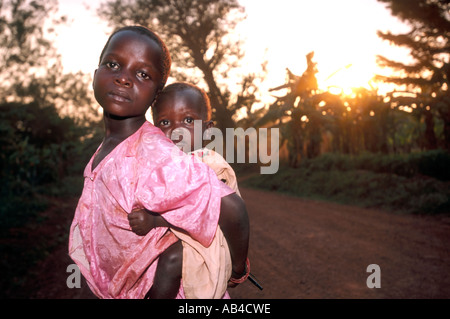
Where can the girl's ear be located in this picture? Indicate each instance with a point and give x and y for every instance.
(93, 79)
(158, 92)
(209, 124)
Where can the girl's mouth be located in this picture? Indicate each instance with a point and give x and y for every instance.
(119, 96)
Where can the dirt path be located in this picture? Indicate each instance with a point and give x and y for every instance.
(307, 249)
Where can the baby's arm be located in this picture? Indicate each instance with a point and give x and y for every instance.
(233, 222)
(142, 221)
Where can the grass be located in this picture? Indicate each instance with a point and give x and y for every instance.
(414, 183)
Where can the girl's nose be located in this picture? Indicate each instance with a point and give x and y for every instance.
(123, 80)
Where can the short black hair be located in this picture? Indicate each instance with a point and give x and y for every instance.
(184, 86)
(166, 60)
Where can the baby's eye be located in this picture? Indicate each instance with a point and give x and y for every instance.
(112, 65)
(143, 75)
(189, 120)
(163, 123)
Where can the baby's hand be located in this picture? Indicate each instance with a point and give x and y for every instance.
(141, 222)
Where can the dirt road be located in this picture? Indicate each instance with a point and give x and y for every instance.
(308, 249)
(305, 249)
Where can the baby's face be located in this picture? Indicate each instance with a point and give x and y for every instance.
(176, 113)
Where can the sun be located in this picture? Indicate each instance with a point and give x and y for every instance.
(346, 77)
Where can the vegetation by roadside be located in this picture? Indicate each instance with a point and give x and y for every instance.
(411, 183)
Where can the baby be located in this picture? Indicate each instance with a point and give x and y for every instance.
(175, 112)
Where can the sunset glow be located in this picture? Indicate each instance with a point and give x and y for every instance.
(347, 78)
(342, 35)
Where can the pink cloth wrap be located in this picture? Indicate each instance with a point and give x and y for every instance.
(144, 171)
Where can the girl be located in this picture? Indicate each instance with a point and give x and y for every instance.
(133, 169)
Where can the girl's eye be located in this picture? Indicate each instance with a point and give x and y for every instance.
(143, 75)
(112, 65)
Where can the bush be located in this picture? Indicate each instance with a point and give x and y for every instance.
(39, 149)
(435, 164)
(401, 183)
(430, 163)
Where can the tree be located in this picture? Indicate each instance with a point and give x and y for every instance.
(38, 144)
(312, 121)
(198, 34)
(30, 66)
(25, 51)
(369, 120)
(297, 114)
(427, 77)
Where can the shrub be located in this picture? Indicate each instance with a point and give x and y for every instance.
(401, 183)
(38, 150)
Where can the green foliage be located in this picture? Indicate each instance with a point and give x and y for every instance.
(426, 77)
(30, 64)
(38, 148)
(430, 163)
(25, 51)
(414, 183)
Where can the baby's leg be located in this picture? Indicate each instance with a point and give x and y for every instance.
(168, 273)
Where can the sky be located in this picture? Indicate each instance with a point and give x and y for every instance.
(341, 33)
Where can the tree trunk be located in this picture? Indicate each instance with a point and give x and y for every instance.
(219, 104)
(430, 136)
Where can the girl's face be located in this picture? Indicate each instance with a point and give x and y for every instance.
(128, 77)
(177, 111)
